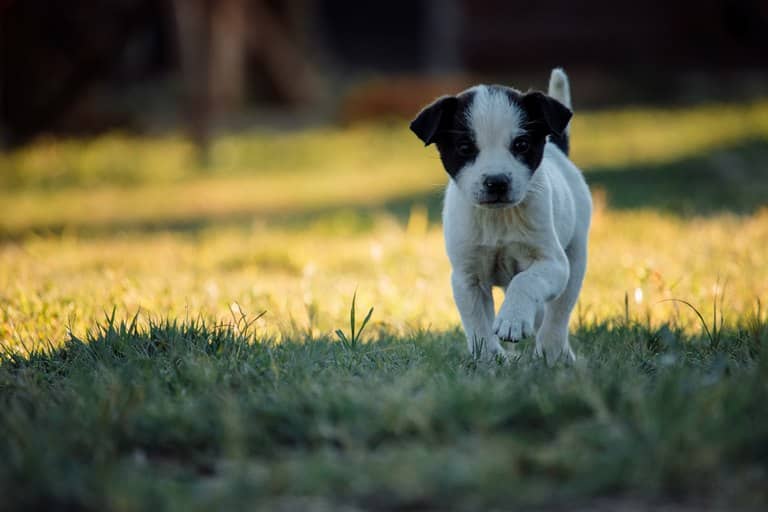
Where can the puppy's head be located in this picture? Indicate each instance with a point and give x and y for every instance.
(491, 139)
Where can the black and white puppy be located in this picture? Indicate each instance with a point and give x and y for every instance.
(516, 215)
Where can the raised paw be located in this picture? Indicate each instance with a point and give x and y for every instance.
(514, 323)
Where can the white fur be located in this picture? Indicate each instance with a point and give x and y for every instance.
(560, 89)
(495, 122)
(536, 249)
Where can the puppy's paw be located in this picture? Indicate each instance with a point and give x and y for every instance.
(552, 355)
(489, 352)
(554, 348)
(515, 321)
(500, 357)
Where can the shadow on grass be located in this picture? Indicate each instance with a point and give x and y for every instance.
(730, 179)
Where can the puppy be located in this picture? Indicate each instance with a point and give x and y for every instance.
(516, 214)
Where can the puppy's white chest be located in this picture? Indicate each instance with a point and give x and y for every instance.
(498, 265)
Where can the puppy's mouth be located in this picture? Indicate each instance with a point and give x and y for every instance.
(495, 203)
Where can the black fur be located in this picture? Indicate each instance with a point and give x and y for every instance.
(538, 106)
(433, 118)
(562, 141)
(444, 122)
(544, 116)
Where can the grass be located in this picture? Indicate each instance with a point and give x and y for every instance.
(195, 416)
(183, 338)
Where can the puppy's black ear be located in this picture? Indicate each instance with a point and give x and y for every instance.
(541, 107)
(434, 117)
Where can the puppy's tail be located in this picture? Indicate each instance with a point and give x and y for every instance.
(560, 89)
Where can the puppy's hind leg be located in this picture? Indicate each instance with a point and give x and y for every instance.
(552, 337)
(475, 304)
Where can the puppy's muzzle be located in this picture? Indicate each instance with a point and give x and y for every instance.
(496, 184)
(496, 188)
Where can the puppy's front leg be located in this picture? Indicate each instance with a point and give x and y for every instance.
(475, 304)
(526, 294)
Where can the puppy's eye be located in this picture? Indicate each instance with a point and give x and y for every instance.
(465, 147)
(521, 145)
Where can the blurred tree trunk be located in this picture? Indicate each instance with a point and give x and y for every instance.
(215, 37)
(227, 55)
(284, 60)
(211, 35)
(442, 36)
(193, 37)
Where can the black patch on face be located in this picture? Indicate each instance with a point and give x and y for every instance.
(549, 115)
(535, 131)
(544, 116)
(537, 137)
(444, 122)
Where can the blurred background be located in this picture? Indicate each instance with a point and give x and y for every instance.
(85, 67)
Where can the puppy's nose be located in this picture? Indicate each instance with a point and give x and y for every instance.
(496, 184)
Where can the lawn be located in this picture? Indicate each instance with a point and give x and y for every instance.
(169, 332)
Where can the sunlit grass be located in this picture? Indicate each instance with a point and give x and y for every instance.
(305, 279)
